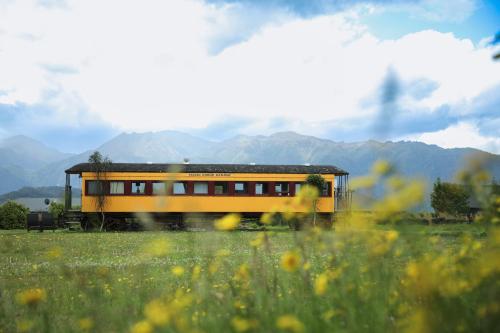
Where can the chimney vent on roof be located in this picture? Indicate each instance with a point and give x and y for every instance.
(186, 160)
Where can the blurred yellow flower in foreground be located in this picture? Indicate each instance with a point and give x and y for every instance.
(321, 284)
(363, 182)
(391, 235)
(259, 240)
(243, 325)
(86, 324)
(306, 196)
(266, 218)
(157, 312)
(290, 261)
(382, 167)
(242, 273)
(178, 270)
(157, 248)
(54, 253)
(290, 323)
(142, 326)
(31, 296)
(24, 326)
(195, 275)
(222, 253)
(329, 314)
(228, 222)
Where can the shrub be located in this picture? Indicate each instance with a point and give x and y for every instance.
(56, 209)
(13, 215)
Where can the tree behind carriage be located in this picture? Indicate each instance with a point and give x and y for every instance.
(450, 199)
(318, 182)
(100, 166)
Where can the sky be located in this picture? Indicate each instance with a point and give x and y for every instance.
(73, 74)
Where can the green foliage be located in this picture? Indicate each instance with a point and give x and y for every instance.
(56, 209)
(100, 166)
(317, 181)
(448, 198)
(13, 215)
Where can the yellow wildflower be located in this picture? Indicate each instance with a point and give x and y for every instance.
(290, 323)
(181, 300)
(223, 253)
(288, 213)
(396, 182)
(142, 326)
(31, 296)
(86, 324)
(157, 312)
(243, 325)
(266, 218)
(321, 284)
(392, 235)
(178, 270)
(329, 314)
(228, 222)
(195, 275)
(242, 273)
(213, 267)
(259, 240)
(418, 322)
(381, 167)
(239, 305)
(412, 270)
(157, 248)
(290, 261)
(54, 253)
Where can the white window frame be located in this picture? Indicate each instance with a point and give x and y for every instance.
(116, 185)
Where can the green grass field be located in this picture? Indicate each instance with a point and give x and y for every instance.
(414, 278)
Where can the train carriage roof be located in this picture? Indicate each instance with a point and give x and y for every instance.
(211, 168)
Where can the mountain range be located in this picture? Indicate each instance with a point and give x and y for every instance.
(27, 162)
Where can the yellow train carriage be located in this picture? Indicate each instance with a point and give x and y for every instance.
(170, 189)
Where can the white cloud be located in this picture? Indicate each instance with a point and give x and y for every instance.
(463, 134)
(444, 10)
(149, 65)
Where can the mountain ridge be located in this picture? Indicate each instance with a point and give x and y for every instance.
(415, 159)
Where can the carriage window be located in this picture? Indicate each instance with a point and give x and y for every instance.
(220, 188)
(138, 188)
(281, 189)
(159, 188)
(116, 187)
(261, 188)
(326, 189)
(240, 188)
(95, 187)
(298, 186)
(200, 188)
(180, 188)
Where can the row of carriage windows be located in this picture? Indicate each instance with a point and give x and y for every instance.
(95, 187)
